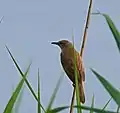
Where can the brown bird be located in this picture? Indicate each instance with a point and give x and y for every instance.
(67, 60)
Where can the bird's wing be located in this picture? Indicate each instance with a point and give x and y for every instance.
(80, 67)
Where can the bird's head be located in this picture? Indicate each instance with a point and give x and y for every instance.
(63, 44)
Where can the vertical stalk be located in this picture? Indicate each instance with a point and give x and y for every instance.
(82, 48)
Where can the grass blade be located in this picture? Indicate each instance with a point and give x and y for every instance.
(26, 81)
(39, 108)
(92, 105)
(59, 109)
(54, 94)
(112, 27)
(107, 103)
(19, 100)
(118, 108)
(115, 94)
(10, 105)
(76, 79)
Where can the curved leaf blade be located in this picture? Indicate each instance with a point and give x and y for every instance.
(11, 102)
(113, 29)
(115, 94)
(59, 109)
(54, 94)
(26, 81)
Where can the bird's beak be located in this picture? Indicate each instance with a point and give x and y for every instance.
(56, 43)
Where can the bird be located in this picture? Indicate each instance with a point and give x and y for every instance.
(67, 55)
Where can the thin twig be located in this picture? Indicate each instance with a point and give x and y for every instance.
(82, 48)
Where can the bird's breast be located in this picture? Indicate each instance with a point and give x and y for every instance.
(68, 65)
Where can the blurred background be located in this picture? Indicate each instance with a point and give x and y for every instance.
(29, 27)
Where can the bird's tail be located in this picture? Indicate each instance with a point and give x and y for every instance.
(81, 92)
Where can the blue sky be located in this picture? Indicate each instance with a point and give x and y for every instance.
(28, 28)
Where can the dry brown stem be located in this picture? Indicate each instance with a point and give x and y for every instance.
(82, 48)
